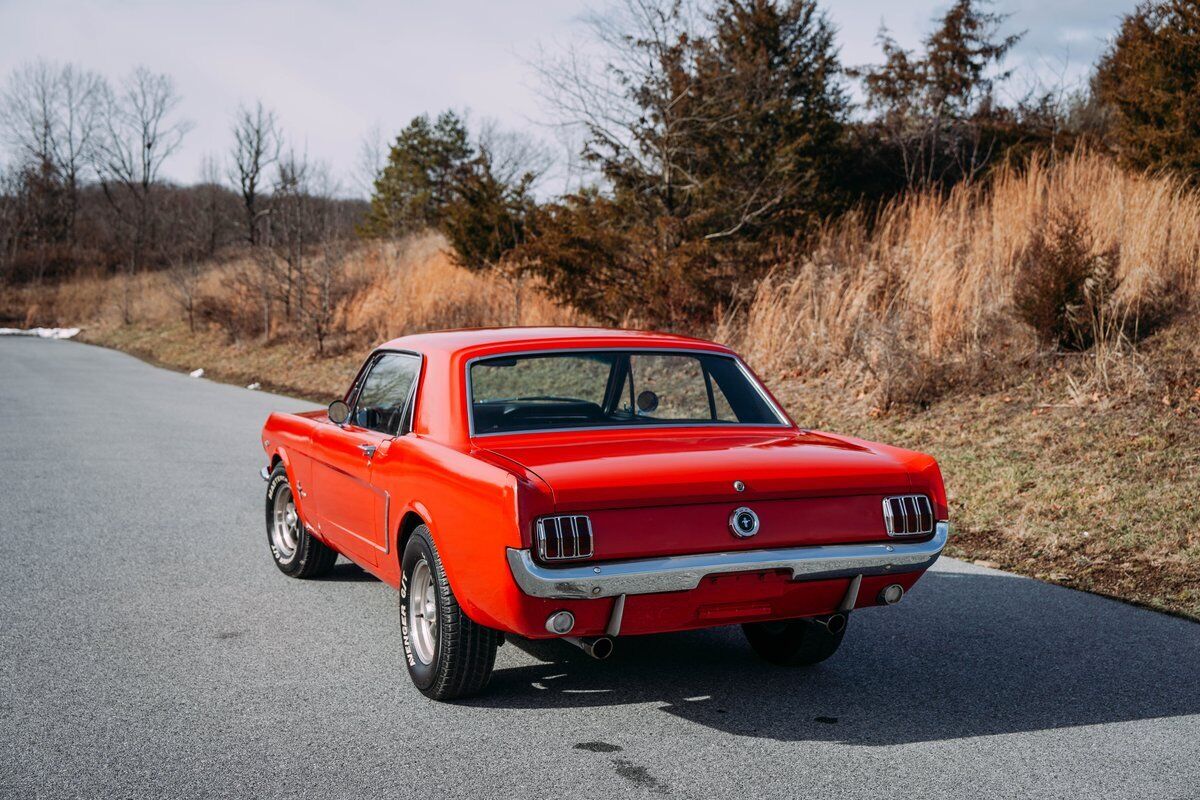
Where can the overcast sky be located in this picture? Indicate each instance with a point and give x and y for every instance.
(334, 70)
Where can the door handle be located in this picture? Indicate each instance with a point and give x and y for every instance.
(368, 450)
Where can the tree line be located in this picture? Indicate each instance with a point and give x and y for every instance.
(83, 189)
(714, 139)
(719, 136)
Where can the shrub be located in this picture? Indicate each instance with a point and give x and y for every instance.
(1064, 289)
(230, 312)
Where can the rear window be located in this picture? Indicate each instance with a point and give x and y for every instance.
(612, 388)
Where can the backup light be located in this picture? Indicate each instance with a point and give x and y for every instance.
(560, 622)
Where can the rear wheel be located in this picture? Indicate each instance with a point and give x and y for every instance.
(448, 654)
(797, 642)
(296, 551)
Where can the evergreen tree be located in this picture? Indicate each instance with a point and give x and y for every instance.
(416, 184)
(487, 215)
(1150, 79)
(936, 119)
(771, 76)
(720, 138)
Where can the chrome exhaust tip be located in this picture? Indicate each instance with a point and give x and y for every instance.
(891, 594)
(598, 647)
(834, 623)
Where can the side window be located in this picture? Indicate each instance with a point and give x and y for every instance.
(385, 391)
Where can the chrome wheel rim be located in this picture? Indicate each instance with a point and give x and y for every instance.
(422, 612)
(285, 525)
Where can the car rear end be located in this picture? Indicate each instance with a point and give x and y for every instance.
(653, 569)
(653, 523)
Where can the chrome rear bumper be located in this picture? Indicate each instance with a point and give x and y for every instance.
(680, 573)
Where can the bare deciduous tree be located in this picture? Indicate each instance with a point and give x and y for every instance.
(213, 220)
(513, 155)
(327, 283)
(292, 228)
(299, 262)
(10, 220)
(197, 222)
(185, 265)
(372, 158)
(635, 81)
(139, 134)
(257, 143)
(49, 118)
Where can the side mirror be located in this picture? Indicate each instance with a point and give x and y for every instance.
(339, 412)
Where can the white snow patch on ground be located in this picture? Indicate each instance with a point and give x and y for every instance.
(45, 333)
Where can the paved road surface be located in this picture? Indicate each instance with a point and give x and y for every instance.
(149, 647)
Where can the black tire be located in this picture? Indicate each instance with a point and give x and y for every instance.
(794, 642)
(464, 652)
(310, 557)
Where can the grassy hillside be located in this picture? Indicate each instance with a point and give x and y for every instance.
(1092, 490)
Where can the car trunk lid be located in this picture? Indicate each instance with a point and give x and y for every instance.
(674, 492)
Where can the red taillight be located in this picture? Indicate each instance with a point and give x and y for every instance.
(564, 538)
(908, 515)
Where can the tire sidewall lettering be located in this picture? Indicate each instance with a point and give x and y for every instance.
(408, 653)
(279, 478)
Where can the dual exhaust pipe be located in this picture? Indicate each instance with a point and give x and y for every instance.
(598, 647)
(601, 647)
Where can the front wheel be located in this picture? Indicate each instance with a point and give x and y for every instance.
(296, 551)
(797, 642)
(448, 654)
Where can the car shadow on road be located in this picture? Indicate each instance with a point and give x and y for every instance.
(348, 572)
(967, 654)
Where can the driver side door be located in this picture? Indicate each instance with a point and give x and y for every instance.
(350, 509)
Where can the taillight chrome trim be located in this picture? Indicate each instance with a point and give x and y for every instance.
(908, 515)
(564, 537)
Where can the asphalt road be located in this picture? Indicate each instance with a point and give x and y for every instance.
(149, 648)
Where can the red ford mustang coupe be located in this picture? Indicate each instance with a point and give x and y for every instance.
(586, 484)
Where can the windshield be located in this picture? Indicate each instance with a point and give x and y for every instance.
(613, 388)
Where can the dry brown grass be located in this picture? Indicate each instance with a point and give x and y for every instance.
(927, 293)
(414, 285)
(398, 288)
(1089, 490)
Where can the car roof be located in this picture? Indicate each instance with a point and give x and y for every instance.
(498, 340)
